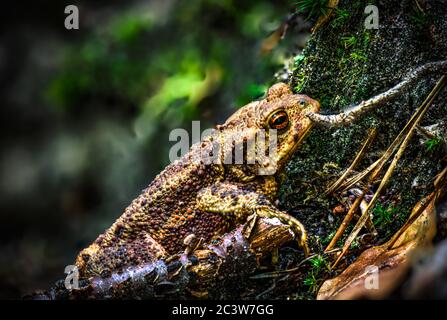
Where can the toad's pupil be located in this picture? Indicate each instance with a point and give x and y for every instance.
(279, 120)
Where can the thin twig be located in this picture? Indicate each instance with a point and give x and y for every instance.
(275, 274)
(419, 6)
(334, 187)
(347, 219)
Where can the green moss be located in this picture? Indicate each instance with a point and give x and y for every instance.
(366, 38)
(328, 238)
(348, 42)
(433, 143)
(319, 268)
(318, 263)
(418, 18)
(325, 101)
(312, 282)
(341, 16)
(383, 215)
(358, 56)
(299, 59)
(301, 79)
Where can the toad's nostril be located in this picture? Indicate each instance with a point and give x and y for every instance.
(302, 102)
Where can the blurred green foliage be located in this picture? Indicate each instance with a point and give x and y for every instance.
(164, 65)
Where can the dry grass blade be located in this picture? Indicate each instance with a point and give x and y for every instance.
(335, 186)
(348, 184)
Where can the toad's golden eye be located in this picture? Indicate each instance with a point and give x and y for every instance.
(279, 120)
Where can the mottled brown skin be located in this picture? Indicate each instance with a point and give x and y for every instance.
(205, 199)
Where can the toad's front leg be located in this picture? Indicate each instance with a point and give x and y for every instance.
(237, 203)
